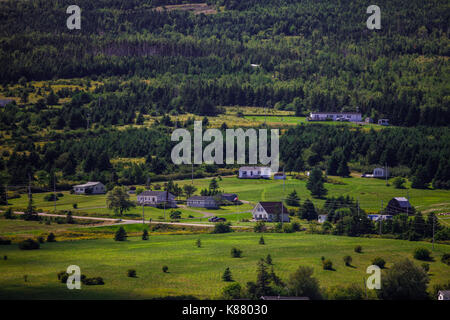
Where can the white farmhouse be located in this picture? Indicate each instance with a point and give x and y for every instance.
(335, 116)
(93, 187)
(255, 172)
(271, 212)
(155, 198)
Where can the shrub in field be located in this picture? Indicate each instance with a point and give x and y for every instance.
(121, 234)
(93, 281)
(379, 262)
(227, 275)
(426, 267)
(9, 214)
(51, 238)
(269, 259)
(446, 258)
(358, 249)
(236, 253)
(199, 243)
(351, 292)
(348, 260)
(302, 284)
(222, 227)
(145, 234)
(131, 273)
(422, 254)
(327, 264)
(40, 239)
(5, 241)
(165, 269)
(232, 291)
(29, 244)
(261, 240)
(260, 226)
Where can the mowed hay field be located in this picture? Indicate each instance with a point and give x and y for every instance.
(193, 271)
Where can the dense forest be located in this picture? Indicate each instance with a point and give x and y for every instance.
(283, 54)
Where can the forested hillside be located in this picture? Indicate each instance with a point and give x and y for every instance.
(131, 61)
(311, 55)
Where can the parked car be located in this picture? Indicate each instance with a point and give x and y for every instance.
(217, 219)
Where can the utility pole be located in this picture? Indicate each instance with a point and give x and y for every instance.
(379, 219)
(54, 193)
(143, 219)
(192, 172)
(29, 187)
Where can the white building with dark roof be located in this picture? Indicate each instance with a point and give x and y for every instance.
(443, 295)
(202, 202)
(335, 116)
(155, 198)
(255, 172)
(92, 187)
(270, 211)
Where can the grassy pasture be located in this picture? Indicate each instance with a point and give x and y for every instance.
(192, 270)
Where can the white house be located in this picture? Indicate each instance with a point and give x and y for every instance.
(322, 218)
(377, 173)
(154, 198)
(94, 187)
(335, 116)
(202, 202)
(270, 211)
(383, 122)
(255, 172)
(444, 295)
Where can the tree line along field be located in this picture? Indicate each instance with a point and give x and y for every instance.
(369, 193)
(192, 270)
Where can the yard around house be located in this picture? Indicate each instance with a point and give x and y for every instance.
(194, 271)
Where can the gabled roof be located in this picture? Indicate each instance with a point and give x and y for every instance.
(88, 184)
(153, 193)
(273, 207)
(253, 168)
(403, 202)
(445, 293)
(201, 198)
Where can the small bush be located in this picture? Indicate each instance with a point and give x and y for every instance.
(446, 258)
(131, 273)
(260, 226)
(348, 260)
(5, 241)
(51, 238)
(358, 249)
(75, 205)
(29, 244)
(269, 260)
(232, 291)
(236, 253)
(145, 234)
(327, 264)
(227, 275)
(121, 234)
(93, 281)
(379, 262)
(165, 269)
(40, 239)
(199, 243)
(261, 240)
(422, 254)
(222, 227)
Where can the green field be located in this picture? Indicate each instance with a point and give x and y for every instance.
(192, 271)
